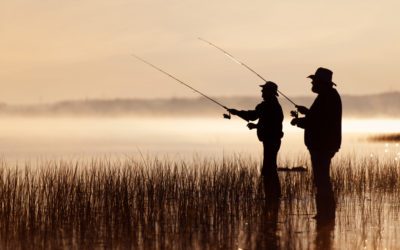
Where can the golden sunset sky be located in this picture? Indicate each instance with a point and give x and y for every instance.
(75, 49)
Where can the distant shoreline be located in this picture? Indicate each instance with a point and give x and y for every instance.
(387, 137)
(384, 105)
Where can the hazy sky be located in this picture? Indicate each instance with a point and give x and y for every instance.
(55, 50)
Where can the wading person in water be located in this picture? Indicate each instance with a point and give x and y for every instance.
(322, 125)
(269, 132)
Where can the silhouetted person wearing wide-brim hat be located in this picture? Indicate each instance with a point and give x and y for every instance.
(269, 131)
(322, 126)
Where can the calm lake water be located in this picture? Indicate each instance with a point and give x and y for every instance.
(30, 139)
(367, 213)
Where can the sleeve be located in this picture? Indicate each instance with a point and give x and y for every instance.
(248, 115)
(251, 115)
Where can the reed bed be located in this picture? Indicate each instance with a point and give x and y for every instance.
(204, 203)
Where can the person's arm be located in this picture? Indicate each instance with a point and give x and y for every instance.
(299, 122)
(248, 115)
(251, 125)
(302, 110)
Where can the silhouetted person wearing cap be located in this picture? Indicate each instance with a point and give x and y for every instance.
(269, 132)
(322, 126)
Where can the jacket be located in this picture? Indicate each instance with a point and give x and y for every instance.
(323, 122)
(270, 117)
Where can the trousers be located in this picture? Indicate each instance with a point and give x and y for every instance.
(272, 187)
(324, 199)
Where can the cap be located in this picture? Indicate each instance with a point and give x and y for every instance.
(271, 86)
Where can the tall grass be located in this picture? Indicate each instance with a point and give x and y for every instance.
(207, 204)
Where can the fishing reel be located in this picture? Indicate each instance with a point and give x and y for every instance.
(227, 116)
(294, 114)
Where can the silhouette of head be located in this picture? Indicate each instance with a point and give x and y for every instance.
(269, 89)
(321, 80)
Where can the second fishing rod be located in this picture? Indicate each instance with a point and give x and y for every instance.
(245, 65)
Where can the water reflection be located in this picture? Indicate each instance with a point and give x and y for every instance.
(268, 230)
(325, 228)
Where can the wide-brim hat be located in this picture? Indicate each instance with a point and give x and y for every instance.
(323, 75)
(270, 86)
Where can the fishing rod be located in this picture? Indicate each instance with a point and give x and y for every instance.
(226, 116)
(245, 65)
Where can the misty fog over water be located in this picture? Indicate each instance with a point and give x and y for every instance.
(383, 105)
(31, 139)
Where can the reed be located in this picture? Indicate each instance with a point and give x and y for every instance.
(204, 203)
